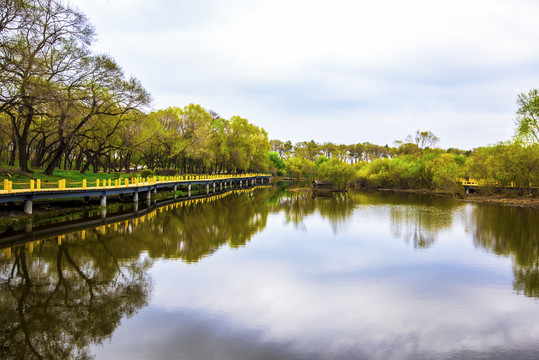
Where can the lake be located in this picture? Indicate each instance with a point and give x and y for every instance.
(271, 274)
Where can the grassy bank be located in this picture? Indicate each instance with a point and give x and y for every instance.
(73, 178)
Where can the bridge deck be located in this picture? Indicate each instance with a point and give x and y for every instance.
(12, 195)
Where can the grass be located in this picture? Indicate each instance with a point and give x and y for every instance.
(73, 178)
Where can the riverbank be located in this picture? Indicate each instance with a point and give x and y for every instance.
(477, 198)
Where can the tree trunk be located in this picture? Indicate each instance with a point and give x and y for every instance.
(23, 155)
(13, 153)
(55, 162)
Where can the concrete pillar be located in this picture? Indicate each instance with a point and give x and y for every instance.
(214, 187)
(241, 183)
(189, 190)
(28, 207)
(207, 188)
(135, 206)
(221, 186)
(103, 213)
(149, 195)
(175, 189)
(103, 200)
(149, 202)
(135, 197)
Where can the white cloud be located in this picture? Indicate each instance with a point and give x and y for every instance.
(361, 63)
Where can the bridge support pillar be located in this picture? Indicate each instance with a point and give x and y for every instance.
(241, 183)
(135, 206)
(221, 186)
(135, 197)
(28, 207)
(189, 190)
(103, 213)
(207, 189)
(214, 187)
(103, 200)
(149, 195)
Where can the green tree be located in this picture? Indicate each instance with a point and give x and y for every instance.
(527, 121)
(36, 53)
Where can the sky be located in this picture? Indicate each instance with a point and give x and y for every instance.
(337, 71)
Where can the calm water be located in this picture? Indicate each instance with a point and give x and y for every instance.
(270, 274)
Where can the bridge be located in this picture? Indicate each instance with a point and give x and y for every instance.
(122, 187)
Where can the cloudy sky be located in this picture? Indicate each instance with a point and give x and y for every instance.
(342, 71)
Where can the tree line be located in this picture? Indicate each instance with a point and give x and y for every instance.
(414, 163)
(63, 105)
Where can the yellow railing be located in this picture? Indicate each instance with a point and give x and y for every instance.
(495, 183)
(62, 184)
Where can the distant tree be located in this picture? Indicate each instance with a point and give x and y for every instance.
(527, 121)
(277, 146)
(287, 149)
(328, 149)
(424, 139)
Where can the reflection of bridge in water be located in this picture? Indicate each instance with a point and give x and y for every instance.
(147, 187)
(32, 236)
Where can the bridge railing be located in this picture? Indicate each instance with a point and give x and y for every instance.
(493, 183)
(62, 184)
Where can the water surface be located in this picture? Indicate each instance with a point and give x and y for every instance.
(271, 274)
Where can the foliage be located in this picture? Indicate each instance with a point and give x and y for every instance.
(337, 171)
(146, 173)
(527, 121)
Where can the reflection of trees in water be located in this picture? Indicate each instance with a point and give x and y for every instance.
(414, 217)
(514, 232)
(420, 219)
(296, 206)
(60, 296)
(58, 299)
(191, 231)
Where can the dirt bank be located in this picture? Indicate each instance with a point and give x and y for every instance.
(477, 198)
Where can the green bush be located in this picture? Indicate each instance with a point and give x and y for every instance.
(146, 173)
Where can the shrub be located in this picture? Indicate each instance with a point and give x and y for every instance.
(146, 173)
(166, 172)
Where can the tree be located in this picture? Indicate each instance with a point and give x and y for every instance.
(527, 121)
(36, 53)
(94, 103)
(424, 139)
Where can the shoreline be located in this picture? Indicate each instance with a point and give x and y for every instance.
(523, 202)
